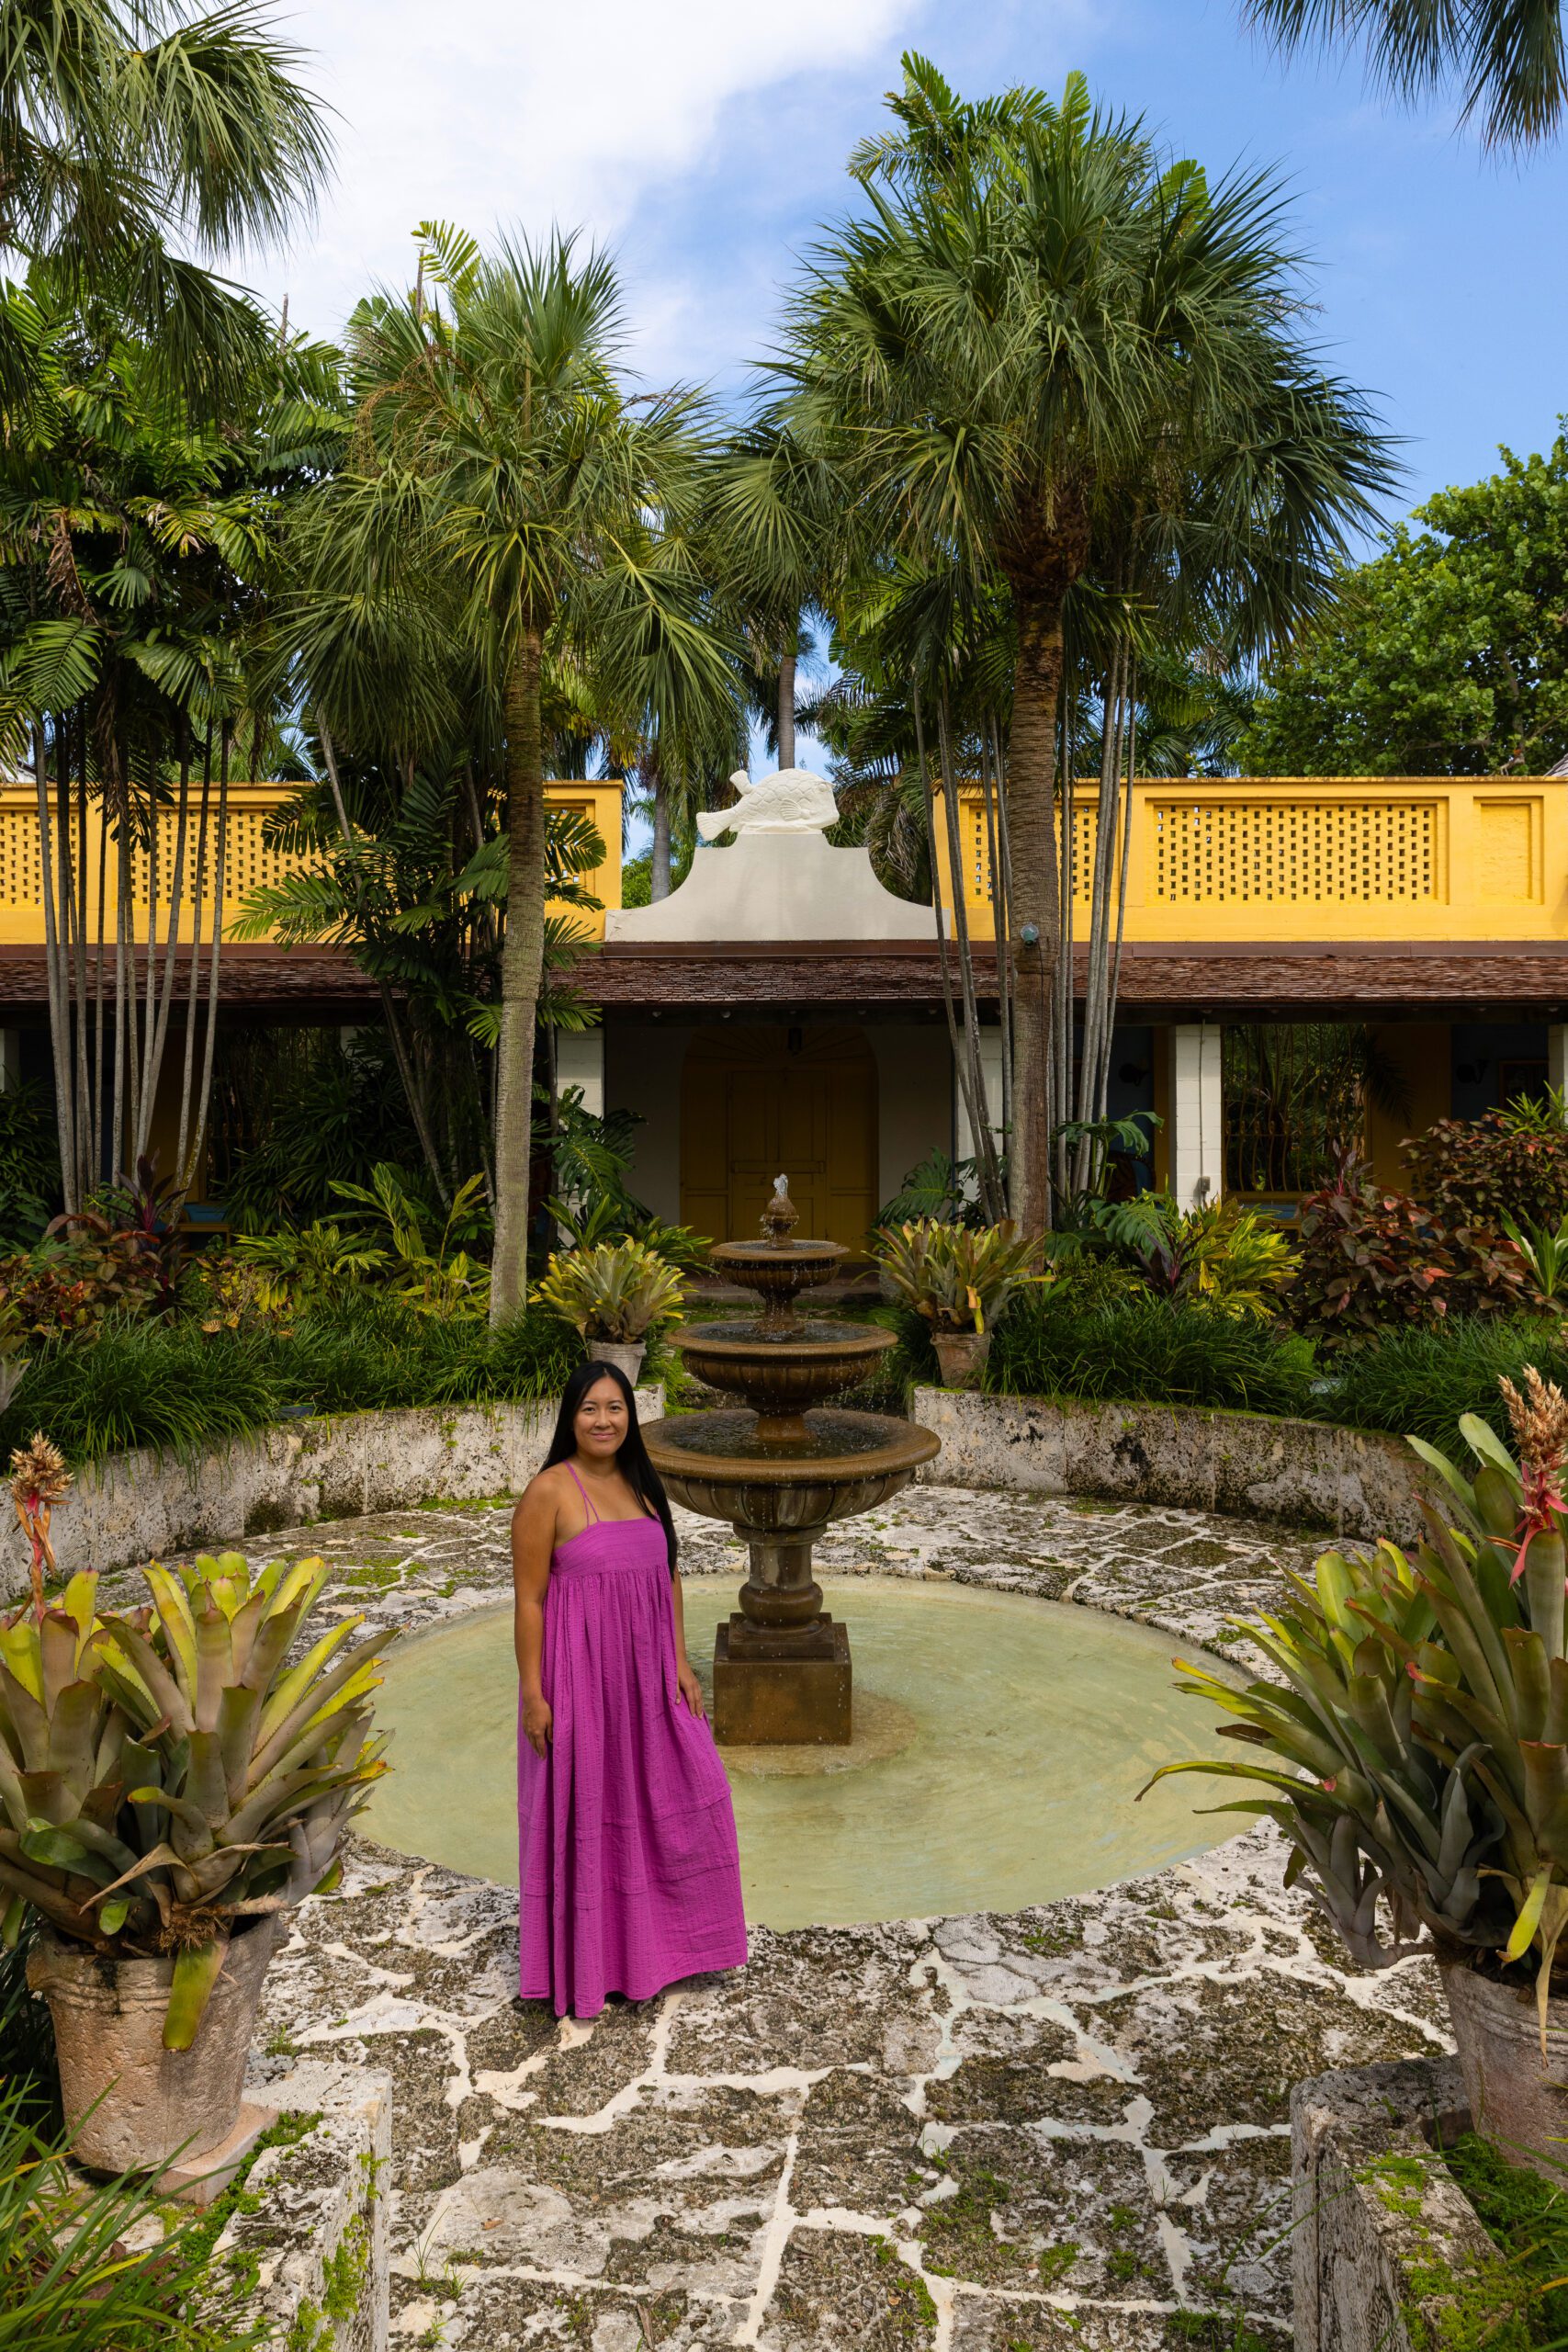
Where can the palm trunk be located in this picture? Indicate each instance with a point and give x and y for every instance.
(659, 864)
(522, 968)
(786, 706)
(54, 971)
(1036, 902)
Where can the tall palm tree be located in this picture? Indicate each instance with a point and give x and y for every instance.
(128, 132)
(1009, 336)
(498, 441)
(1509, 58)
(771, 523)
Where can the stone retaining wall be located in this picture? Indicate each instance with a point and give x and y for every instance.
(1387, 2251)
(1308, 1474)
(307, 2248)
(143, 1505)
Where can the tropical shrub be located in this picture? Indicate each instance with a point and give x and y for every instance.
(1421, 1381)
(1544, 1249)
(1507, 1163)
(177, 1387)
(1222, 1256)
(1371, 1259)
(957, 1277)
(70, 2280)
(613, 1216)
(196, 1779)
(615, 1291)
(1144, 1350)
(72, 1288)
(443, 1280)
(1415, 1745)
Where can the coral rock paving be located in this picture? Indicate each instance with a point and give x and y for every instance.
(1002, 2133)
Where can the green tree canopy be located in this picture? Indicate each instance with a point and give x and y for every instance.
(1447, 654)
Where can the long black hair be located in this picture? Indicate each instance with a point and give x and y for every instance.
(631, 1456)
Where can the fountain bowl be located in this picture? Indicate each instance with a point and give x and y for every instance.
(778, 1372)
(718, 1466)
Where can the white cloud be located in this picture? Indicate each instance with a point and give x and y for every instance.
(575, 111)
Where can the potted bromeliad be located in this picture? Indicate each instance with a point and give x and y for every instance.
(613, 1293)
(169, 1786)
(1414, 1749)
(959, 1278)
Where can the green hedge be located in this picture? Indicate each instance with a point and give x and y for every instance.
(1418, 1384)
(1148, 1352)
(174, 1387)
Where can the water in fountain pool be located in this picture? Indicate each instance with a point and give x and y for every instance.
(1002, 1742)
(732, 1437)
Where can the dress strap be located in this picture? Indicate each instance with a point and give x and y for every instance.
(587, 1505)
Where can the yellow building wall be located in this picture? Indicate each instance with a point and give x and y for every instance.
(1282, 858)
(250, 863)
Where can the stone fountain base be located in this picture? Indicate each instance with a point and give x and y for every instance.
(763, 1696)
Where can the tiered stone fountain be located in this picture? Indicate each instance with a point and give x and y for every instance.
(779, 1470)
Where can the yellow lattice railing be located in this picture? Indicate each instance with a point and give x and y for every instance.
(251, 862)
(1270, 858)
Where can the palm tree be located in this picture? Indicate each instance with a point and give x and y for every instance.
(1016, 332)
(1507, 57)
(499, 450)
(771, 521)
(128, 132)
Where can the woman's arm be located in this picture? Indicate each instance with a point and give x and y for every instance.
(686, 1682)
(533, 1541)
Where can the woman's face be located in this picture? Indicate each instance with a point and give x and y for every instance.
(601, 1424)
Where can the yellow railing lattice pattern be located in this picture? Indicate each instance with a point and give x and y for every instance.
(1366, 852)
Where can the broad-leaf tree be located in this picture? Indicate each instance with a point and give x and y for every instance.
(1445, 655)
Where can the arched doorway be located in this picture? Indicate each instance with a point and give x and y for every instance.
(757, 1102)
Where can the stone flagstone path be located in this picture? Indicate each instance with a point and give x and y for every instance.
(1067, 2126)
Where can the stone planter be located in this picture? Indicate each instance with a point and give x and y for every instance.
(131, 2104)
(961, 1355)
(1517, 2097)
(626, 1356)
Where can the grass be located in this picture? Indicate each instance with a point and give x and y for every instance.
(1527, 2217)
(173, 1388)
(1148, 1350)
(1418, 1383)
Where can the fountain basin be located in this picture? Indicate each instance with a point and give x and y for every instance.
(779, 1370)
(722, 1466)
(998, 1764)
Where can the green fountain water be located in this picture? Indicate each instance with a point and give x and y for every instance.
(1000, 1742)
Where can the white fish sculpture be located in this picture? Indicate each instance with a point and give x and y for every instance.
(793, 801)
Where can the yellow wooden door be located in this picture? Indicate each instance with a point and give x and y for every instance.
(759, 1103)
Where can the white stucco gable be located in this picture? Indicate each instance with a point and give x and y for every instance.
(779, 880)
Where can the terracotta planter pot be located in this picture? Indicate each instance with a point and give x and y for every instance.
(1514, 2097)
(626, 1356)
(961, 1355)
(146, 2101)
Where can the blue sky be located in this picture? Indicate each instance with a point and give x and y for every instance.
(705, 143)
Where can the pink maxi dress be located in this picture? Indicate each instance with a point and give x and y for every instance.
(629, 1876)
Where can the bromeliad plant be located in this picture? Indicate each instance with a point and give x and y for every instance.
(1414, 1749)
(957, 1277)
(166, 1776)
(615, 1291)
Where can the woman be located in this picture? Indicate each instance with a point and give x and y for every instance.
(629, 1875)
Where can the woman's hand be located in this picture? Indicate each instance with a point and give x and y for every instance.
(537, 1723)
(691, 1689)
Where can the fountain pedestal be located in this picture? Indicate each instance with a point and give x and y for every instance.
(779, 1473)
(781, 1666)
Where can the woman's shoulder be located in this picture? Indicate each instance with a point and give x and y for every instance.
(543, 1490)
